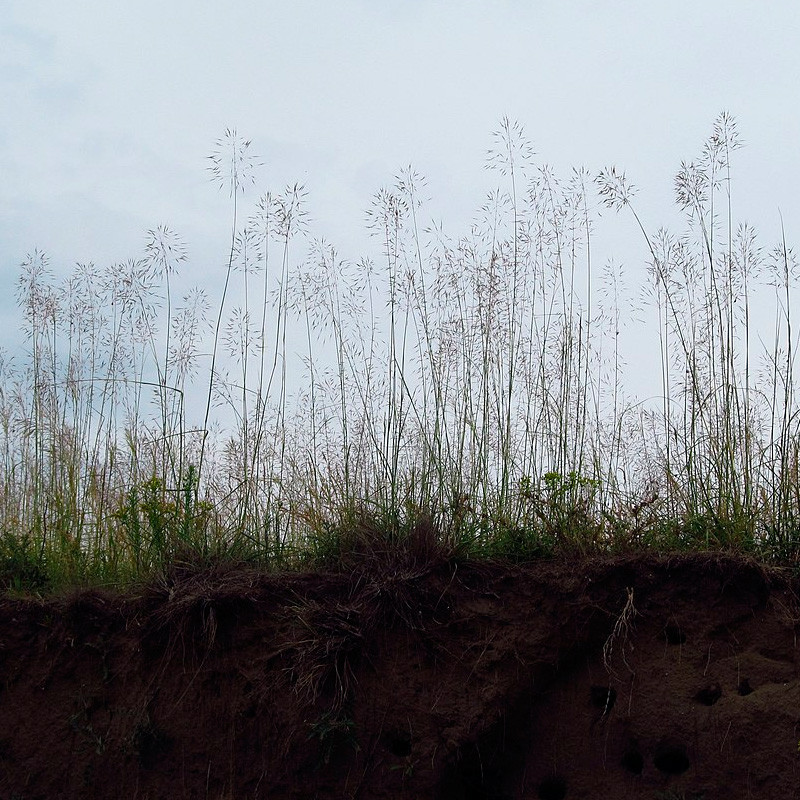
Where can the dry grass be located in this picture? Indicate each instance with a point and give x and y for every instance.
(471, 384)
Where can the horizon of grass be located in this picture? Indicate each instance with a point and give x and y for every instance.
(468, 387)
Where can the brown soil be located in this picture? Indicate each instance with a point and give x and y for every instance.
(636, 677)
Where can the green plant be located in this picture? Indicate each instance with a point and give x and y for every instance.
(333, 730)
(22, 564)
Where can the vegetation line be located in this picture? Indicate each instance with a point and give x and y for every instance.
(472, 385)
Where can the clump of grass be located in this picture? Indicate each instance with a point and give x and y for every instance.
(725, 441)
(473, 385)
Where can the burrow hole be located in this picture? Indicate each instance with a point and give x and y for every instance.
(709, 695)
(671, 757)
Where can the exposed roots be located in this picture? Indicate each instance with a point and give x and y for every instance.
(619, 636)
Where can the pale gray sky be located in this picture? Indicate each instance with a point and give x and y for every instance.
(109, 109)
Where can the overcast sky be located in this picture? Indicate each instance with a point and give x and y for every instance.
(110, 108)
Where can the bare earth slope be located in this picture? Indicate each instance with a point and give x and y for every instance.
(636, 677)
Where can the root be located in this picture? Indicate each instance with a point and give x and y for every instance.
(620, 633)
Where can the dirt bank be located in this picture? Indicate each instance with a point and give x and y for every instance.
(637, 677)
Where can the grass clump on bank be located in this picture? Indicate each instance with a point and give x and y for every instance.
(475, 384)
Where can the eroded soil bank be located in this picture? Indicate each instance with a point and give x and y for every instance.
(636, 677)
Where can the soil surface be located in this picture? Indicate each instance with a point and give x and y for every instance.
(635, 677)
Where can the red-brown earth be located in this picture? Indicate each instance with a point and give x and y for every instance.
(400, 677)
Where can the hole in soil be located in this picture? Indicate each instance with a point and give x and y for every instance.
(633, 761)
(671, 758)
(674, 634)
(553, 788)
(709, 694)
(744, 687)
(603, 697)
(398, 744)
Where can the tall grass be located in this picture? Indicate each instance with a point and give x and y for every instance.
(474, 382)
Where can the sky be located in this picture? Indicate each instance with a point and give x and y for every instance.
(110, 109)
